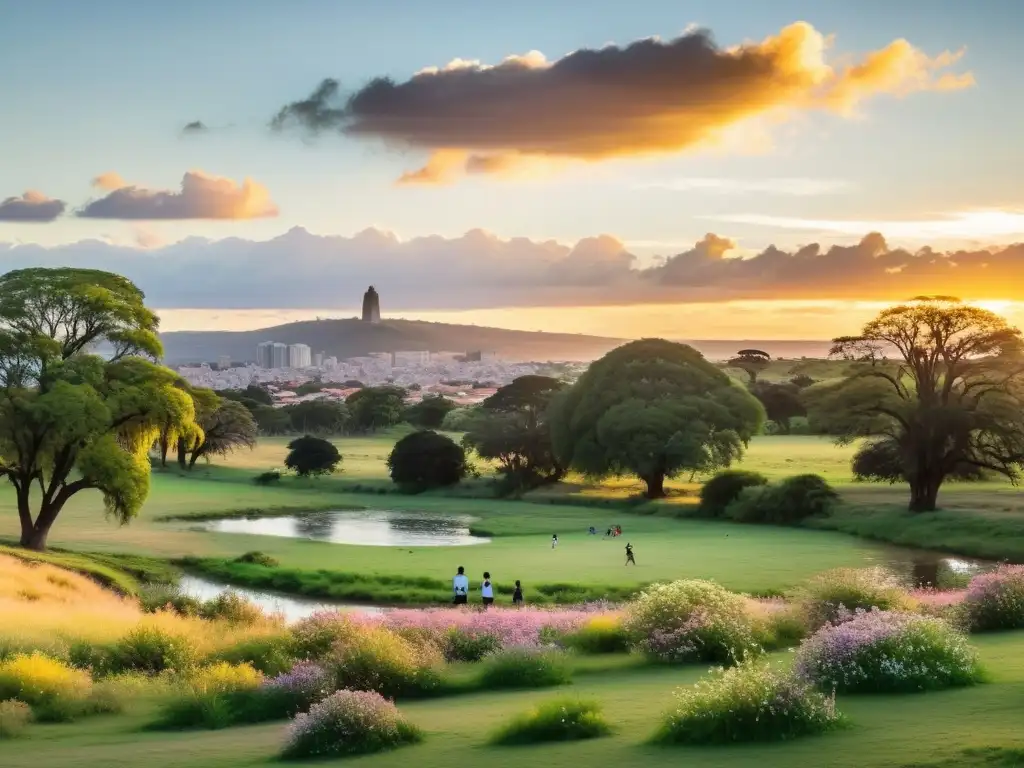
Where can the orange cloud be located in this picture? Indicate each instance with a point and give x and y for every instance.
(645, 98)
(31, 207)
(109, 181)
(201, 196)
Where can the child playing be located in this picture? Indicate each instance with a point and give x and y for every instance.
(517, 596)
(487, 590)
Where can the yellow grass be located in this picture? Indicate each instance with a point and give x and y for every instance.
(49, 609)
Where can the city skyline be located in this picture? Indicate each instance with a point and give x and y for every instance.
(756, 170)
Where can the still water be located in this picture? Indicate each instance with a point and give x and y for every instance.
(291, 607)
(375, 528)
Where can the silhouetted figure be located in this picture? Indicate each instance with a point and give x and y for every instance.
(371, 306)
(629, 554)
(517, 596)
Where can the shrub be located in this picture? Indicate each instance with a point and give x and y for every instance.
(884, 651)
(750, 702)
(462, 646)
(211, 697)
(691, 620)
(725, 487)
(791, 501)
(296, 691)
(377, 659)
(995, 600)
(14, 718)
(55, 691)
(267, 478)
(557, 720)
(233, 608)
(270, 654)
(161, 597)
(147, 649)
(601, 634)
(315, 636)
(349, 723)
(257, 558)
(426, 459)
(835, 595)
(524, 668)
(310, 455)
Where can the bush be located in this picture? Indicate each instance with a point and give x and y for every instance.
(793, 500)
(14, 718)
(379, 660)
(426, 459)
(269, 654)
(296, 691)
(461, 646)
(315, 636)
(885, 652)
(691, 620)
(523, 668)
(162, 597)
(146, 649)
(835, 595)
(310, 455)
(233, 608)
(601, 634)
(55, 691)
(750, 702)
(258, 558)
(349, 723)
(211, 697)
(725, 487)
(995, 600)
(267, 478)
(557, 720)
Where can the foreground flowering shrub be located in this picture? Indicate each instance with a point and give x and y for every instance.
(749, 702)
(836, 595)
(603, 633)
(54, 690)
(884, 651)
(995, 600)
(376, 659)
(314, 637)
(296, 691)
(349, 723)
(558, 720)
(691, 620)
(211, 697)
(524, 668)
(14, 718)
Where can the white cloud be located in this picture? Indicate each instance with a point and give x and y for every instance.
(792, 186)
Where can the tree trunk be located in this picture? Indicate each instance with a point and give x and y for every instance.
(193, 459)
(163, 450)
(924, 493)
(655, 485)
(34, 535)
(182, 460)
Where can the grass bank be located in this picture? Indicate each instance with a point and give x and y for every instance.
(124, 574)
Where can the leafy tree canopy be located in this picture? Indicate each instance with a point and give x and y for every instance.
(71, 419)
(373, 408)
(654, 409)
(309, 455)
(429, 413)
(752, 361)
(322, 417)
(954, 398)
(426, 459)
(225, 427)
(781, 402)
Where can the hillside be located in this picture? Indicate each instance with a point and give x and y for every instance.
(353, 338)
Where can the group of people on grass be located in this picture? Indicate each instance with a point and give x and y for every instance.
(460, 582)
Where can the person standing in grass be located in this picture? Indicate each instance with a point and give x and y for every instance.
(487, 590)
(517, 596)
(629, 554)
(554, 540)
(460, 587)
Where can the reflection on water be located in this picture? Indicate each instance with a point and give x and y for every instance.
(376, 528)
(292, 608)
(930, 569)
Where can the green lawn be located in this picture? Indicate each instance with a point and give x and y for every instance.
(967, 728)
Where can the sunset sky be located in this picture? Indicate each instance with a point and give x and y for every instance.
(536, 165)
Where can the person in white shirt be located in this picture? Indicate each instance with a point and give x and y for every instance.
(554, 540)
(487, 590)
(460, 587)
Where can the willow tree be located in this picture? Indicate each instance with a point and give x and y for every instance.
(225, 428)
(949, 404)
(71, 418)
(654, 409)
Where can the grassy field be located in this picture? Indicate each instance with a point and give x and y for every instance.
(966, 728)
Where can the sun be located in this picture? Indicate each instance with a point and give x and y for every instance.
(998, 306)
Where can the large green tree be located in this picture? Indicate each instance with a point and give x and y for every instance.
(81, 400)
(429, 413)
(373, 408)
(953, 401)
(654, 409)
(512, 428)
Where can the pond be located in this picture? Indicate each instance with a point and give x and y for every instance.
(375, 528)
(933, 569)
(291, 607)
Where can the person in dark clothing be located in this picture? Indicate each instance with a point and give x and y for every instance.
(517, 596)
(629, 554)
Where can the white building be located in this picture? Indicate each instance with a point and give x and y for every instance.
(279, 357)
(411, 359)
(299, 356)
(318, 360)
(224, 362)
(265, 354)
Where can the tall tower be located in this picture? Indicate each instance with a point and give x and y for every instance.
(371, 306)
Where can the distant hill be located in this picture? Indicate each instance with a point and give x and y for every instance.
(354, 338)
